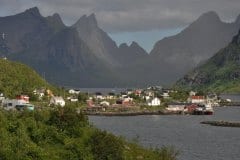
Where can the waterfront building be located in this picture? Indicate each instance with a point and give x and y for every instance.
(154, 102)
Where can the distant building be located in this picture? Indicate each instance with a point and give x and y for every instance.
(149, 93)
(99, 96)
(104, 103)
(57, 101)
(73, 99)
(19, 104)
(39, 92)
(125, 101)
(138, 92)
(74, 91)
(177, 106)
(23, 97)
(154, 102)
(111, 96)
(197, 99)
(90, 103)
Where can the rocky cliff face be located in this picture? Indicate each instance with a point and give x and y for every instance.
(129, 55)
(83, 55)
(96, 39)
(194, 45)
(52, 49)
(221, 73)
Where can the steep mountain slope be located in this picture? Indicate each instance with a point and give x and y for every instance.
(83, 55)
(16, 78)
(23, 31)
(128, 55)
(221, 73)
(52, 49)
(101, 45)
(195, 44)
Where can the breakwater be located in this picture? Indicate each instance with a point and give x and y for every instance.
(138, 113)
(222, 123)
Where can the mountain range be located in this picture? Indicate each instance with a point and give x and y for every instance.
(83, 55)
(221, 73)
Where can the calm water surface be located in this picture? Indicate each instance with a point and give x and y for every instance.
(195, 141)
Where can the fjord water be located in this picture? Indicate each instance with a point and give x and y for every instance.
(195, 141)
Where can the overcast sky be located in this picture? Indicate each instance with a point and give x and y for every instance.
(129, 16)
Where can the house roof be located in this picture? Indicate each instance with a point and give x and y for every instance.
(197, 97)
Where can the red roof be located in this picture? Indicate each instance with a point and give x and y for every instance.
(197, 97)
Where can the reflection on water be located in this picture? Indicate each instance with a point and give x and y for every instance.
(194, 140)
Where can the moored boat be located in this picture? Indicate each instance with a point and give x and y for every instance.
(204, 109)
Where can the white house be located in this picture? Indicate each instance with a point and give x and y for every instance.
(99, 96)
(57, 101)
(105, 103)
(165, 95)
(176, 106)
(73, 99)
(11, 104)
(73, 91)
(154, 102)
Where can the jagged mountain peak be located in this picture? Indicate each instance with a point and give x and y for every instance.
(55, 22)
(56, 17)
(123, 45)
(89, 21)
(134, 44)
(210, 16)
(33, 11)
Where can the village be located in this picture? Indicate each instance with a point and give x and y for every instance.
(152, 100)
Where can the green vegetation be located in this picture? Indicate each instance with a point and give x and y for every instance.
(62, 133)
(17, 78)
(220, 74)
(179, 95)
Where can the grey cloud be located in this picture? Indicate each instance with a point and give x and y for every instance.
(128, 15)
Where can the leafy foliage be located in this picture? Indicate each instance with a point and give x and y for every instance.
(63, 133)
(219, 74)
(16, 78)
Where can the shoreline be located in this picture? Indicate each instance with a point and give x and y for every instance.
(132, 113)
(222, 123)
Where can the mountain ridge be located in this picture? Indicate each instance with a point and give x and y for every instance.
(87, 56)
(221, 73)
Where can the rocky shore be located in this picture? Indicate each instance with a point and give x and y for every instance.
(222, 123)
(138, 113)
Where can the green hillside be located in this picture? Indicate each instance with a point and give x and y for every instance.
(220, 74)
(63, 134)
(17, 78)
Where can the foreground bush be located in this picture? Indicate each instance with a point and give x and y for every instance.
(62, 133)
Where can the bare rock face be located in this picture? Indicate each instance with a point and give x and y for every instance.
(96, 39)
(220, 73)
(83, 55)
(194, 45)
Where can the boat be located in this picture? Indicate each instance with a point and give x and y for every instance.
(204, 109)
